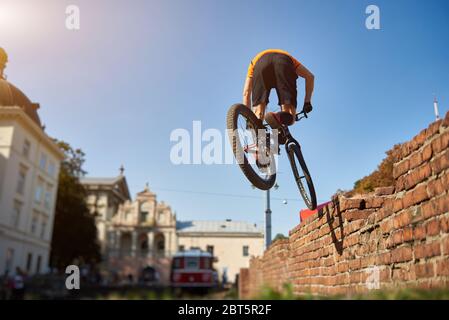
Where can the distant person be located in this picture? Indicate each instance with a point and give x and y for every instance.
(224, 277)
(276, 69)
(18, 285)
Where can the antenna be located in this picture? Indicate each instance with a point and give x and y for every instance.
(435, 108)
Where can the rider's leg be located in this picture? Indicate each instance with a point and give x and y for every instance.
(290, 109)
(259, 110)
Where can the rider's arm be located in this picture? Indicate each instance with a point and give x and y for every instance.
(303, 72)
(247, 92)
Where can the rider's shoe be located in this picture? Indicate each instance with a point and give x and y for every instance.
(276, 120)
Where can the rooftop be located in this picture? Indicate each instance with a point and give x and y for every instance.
(218, 226)
(11, 96)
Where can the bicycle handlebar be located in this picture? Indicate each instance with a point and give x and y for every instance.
(304, 115)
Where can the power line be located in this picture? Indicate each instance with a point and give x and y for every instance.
(229, 195)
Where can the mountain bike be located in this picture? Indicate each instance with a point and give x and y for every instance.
(255, 144)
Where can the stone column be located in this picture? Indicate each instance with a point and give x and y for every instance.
(118, 235)
(150, 244)
(168, 252)
(134, 243)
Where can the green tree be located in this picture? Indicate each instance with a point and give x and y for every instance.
(382, 177)
(74, 233)
(279, 236)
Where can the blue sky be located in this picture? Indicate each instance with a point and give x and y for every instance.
(136, 70)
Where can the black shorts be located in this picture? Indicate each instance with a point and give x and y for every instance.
(274, 70)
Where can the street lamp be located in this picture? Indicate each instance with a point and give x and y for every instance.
(268, 216)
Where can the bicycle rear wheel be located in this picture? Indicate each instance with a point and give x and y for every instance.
(249, 144)
(302, 175)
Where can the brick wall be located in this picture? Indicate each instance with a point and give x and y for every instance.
(397, 236)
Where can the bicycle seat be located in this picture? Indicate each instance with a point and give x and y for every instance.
(278, 119)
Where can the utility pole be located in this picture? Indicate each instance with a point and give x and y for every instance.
(435, 108)
(267, 219)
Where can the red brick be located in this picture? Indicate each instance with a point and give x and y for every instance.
(424, 270)
(427, 153)
(433, 129)
(445, 245)
(374, 202)
(386, 226)
(435, 188)
(384, 258)
(427, 250)
(444, 224)
(432, 228)
(384, 191)
(407, 234)
(397, 205)
(350, 203)
(415, 160)
(440, 163)
(397, 237)
(415, 196)
(403, 219)
(401, 254)
(357, 214)
(385, 275)
(443, 268)
(440, 143)
(446, 120)
(401, 168)
(402, 275)
(436, 206)
(355, 277)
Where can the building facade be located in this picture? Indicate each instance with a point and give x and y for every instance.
(144, 232)
(104, 198)
(231, 242)
(29, 169)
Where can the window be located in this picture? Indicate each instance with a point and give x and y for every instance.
(26, 148)
(38, 264)
(9, 259)
(21, 180)
(16, 214)
(43, 161)
(245, 251)
(29, 261)
(210, 249)
(181, 248)
(47, 197)
(39, 191)
(34, 223)
(51, 168)
(43, 228)
(143, 216)
(191, 262)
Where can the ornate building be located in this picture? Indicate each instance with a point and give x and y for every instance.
(132, 234)
(29, 169)
(135, 234)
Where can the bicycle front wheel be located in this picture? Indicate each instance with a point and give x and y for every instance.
(302, 175)
(250, 147)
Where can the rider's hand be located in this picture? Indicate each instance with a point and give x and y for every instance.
(307, 107)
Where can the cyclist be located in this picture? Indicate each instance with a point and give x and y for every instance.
(275, 68)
